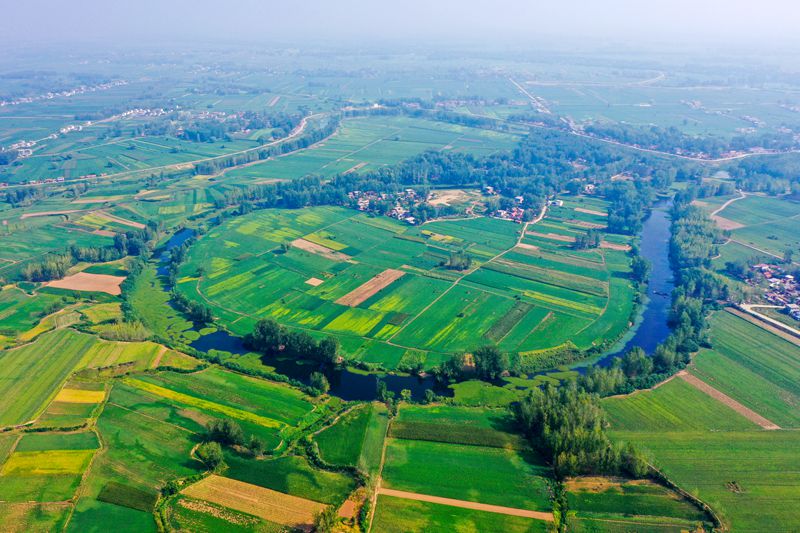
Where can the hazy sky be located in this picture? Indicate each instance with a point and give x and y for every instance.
(773, 22)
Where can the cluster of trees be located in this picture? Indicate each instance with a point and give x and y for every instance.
(630, 203)
(487, 363)
(775, 174)
(220, 128)
(270, 338)
(221, 433)
(567, 425)
(55, 266)
(590, 239)
(197, 312)
(459, 260)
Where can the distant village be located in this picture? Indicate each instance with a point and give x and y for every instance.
(784, 290)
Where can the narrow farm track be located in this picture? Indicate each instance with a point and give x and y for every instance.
(721, 208)
(499, 509)
(746, 412)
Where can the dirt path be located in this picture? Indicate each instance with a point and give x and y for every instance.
(755, 320)
(721, 208)
(512, 511)
(746, 412)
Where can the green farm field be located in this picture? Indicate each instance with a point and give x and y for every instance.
(475, 473)
(771, 372)
(368, 143)
(522, 298)
(745, 473)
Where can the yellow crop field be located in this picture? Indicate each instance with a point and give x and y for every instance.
(204, 404)
(51, 462)
(80, 396)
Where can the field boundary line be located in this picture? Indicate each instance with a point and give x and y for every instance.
(746, 412)
(499, 509)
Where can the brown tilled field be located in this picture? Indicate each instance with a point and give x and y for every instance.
(251, 499)
(83, 281)
(370, 287)
(314, 248)
(590, 212)
(726, 223)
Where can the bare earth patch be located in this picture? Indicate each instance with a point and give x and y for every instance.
(552, 236)
(50, 213)
(749, 414)
(370, 287)
(83, 281)
(356, 168)
(251, 499)
(448, 197)
(318, 249)
(104, 232)
(726, 223)
(98, 199)
(590, 212)
(314, 282)
(584, 224)
(118, 220)
(613, 246)
(273, 101)
(538, 515)
(525, 246)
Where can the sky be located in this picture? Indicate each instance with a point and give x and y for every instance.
(677, 22)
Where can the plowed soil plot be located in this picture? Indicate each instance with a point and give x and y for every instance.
(363, 292)
(318, 249)
(726, 223)
(552, 236)
(591, 212)
(83, 281)
(251, 499)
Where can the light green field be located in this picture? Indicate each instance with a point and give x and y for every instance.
(771, 373)
(747, 474)
(475, 473)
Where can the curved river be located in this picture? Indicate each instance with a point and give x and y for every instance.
(649, 330)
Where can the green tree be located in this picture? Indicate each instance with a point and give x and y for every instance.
(490, 362)
(210, 453)
(319, 383)
(326, 520)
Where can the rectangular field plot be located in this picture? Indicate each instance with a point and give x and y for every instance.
(474, 473)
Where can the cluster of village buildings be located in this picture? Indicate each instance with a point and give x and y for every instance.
(784, 290)
(403, 201)
(65, 93)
